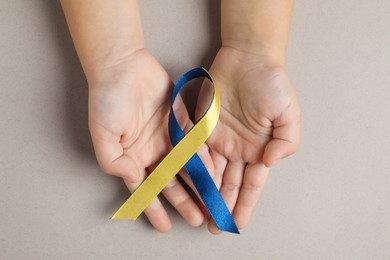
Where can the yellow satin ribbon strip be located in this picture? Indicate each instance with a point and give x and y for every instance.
(172, 163)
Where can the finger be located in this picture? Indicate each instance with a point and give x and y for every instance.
(255, 178)
(206, 214)
(220, 163)
(230, 188)
(155, 211)
(286, 135)
(204, 155)
(183, 203)
(113, 161)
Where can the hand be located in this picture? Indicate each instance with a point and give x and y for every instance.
(258, 125)
(128, 115)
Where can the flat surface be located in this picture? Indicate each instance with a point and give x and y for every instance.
(329, 201)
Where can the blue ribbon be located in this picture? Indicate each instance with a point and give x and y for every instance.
(195, 167)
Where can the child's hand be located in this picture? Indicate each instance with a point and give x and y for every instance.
(128, 115)
(258, 125)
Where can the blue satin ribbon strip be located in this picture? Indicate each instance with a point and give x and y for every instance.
(195, 168)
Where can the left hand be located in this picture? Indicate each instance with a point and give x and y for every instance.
(128, 115)
(258, 125)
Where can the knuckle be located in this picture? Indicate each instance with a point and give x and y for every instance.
(230, 186)
(173, 183)
(153, 207)
(182, 201)
(203, 151)
(252, 187)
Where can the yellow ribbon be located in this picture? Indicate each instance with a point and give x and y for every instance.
(172, 163)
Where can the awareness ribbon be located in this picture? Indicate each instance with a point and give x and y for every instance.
(184, 154)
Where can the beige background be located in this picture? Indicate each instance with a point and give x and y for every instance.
(329, 201)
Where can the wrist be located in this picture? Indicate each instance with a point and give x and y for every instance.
(258, 27)
(96, 68)
(256, 49)
(232, 65)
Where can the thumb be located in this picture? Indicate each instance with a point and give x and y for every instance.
(114, 162)
(285, 141)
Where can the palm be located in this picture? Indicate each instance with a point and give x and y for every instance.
(128, 115)
(128, 110)
(257, 103)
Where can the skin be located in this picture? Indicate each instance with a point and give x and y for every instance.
(129, 94)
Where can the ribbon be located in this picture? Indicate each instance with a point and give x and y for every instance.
(184, 154)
